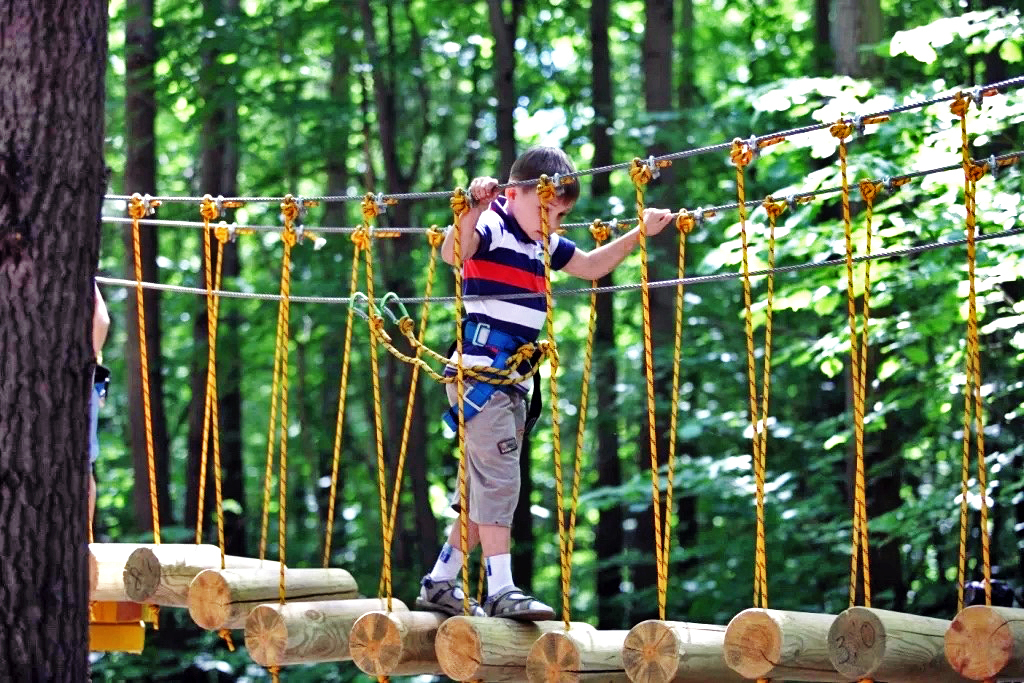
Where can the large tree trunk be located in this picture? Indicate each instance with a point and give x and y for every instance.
(608, 543)
(504, 29)
(219, 167)
(140, 176)
(52, 180)
(857, 26)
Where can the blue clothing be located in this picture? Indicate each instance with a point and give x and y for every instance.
(94, 418)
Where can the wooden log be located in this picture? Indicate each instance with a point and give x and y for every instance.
(890, 646)
(161, 574)
(488, 648)
(561, 656)
(223, 598)
(396, 643)
(677, 652)
(987, 642)
(106, 567)
(306, 632)
(792, 646)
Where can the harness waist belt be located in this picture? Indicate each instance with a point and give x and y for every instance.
(482, 334)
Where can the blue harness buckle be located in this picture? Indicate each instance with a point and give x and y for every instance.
(481, 334)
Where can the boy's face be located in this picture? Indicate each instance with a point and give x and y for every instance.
(524, 205)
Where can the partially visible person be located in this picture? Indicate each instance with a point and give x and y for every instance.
(98, 395)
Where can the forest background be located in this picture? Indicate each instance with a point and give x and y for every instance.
(258, 99)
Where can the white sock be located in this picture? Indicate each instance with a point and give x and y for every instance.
(499, 573)
(448, 564)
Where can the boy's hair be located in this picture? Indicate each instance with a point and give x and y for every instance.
(538, 161)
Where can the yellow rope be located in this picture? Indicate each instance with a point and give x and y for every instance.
(370, 212)
(641, 174)
(546, 193)
(360, 239)
(137, 208)
(460, 206)
(972, 388)
(435, 238)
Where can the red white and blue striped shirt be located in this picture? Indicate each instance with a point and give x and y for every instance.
(507, 262)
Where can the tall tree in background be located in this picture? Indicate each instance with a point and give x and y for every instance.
(856, 26)
(52, 180)
(608, 540)
(504, 28)
(140, 176)
(218, 176)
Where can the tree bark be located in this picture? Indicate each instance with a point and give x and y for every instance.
(140, 176)
(52, 180)
(857, 25)
(504, 29)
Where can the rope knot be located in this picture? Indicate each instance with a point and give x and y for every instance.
(370, 208)
(136, 207)
(841, 129)
(741, 153)
(208, 209)
(548, 348)
(289, 209)
(435, 237)
(685, 222)
(639, 172)
(975, 171)
(546, 190)
(869, 190)
(960, 104)
(773, 208)
(377, 326)
(361, 238)
(600, 231)
(222, 232)
(407, 326)
(288, 236)
(459, 202)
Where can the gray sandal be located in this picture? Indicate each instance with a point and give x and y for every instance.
(445, 596)
(512, 603)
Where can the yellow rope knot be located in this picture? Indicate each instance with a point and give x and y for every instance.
(639, 172)
(600, 231)
(841, 129)
(685, 222)
(370, 208)
(869, 190)
(222, 232)
(435, 237)
(961, 103)
(289, 209)
(548, 348)
(225, 634)
(377, 326)
(546, 190)
(459, 202)
(407, 326)
(773, 208)
(136, 207)
(361, 238)
(975, 171)
(208, 209)
(740, 154)
(288, 236)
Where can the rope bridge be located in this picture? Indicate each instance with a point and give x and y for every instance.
(293, 616)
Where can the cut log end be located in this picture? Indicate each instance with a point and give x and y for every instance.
(753, 644)
(979, 643)
(554, 658)
(266, 635)
(856, 642)
(651, 652)
(209, 602)
(376, 643)
(142, 574)
(459, 649)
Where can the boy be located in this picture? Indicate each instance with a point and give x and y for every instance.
(503, 254)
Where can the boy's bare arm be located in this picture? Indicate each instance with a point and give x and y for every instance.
(100, 322)
(595, 264)
(483, 190)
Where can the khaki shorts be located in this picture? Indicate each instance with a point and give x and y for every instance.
(494, 440)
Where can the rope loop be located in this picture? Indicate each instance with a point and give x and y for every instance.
(639, 172)
(435, 236)
(208, 209)
(600, 231)
(869, 189)
(772, 207)
(961, 104)
(741, 153)
(841, 129)
(459, 202)
(685, 222)
(546, 190)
